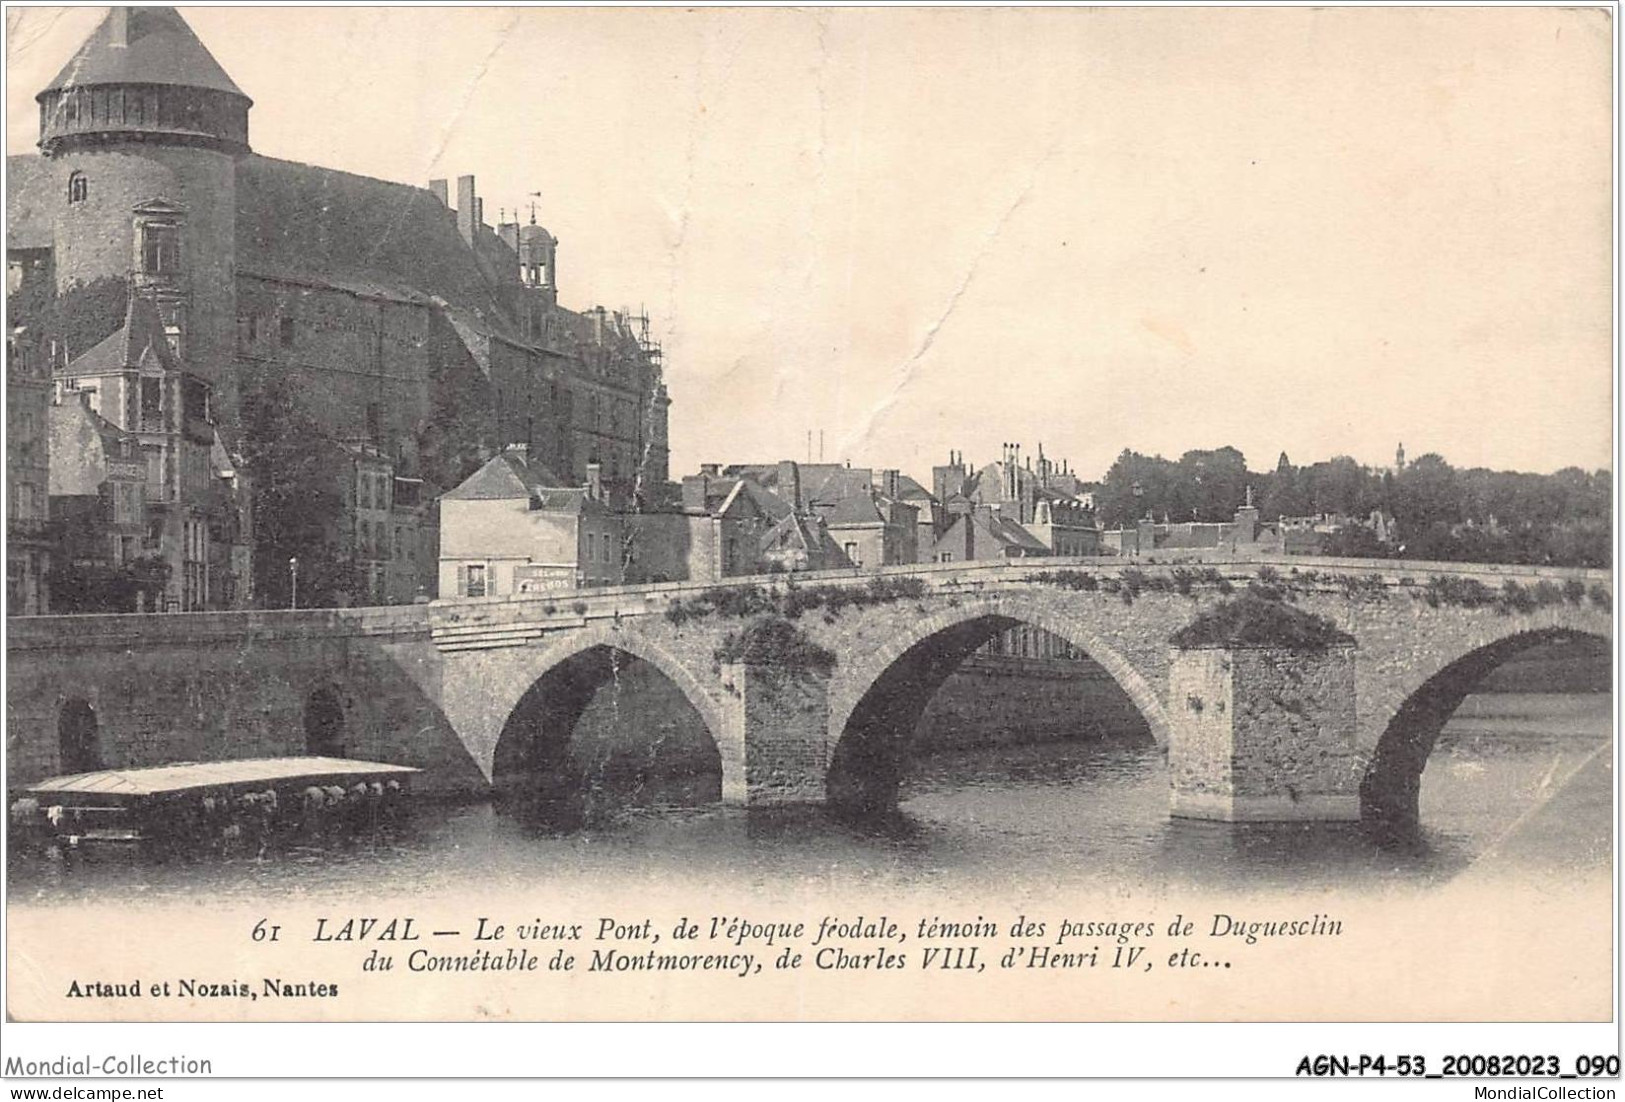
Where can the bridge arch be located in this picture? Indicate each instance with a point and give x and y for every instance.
(877, 699)
(547, 701)
(1390, 789)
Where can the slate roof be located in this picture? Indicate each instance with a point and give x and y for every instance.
(139, 342)
(508, 477)
(806, 533)
(838, 484)
(910, 490)
(161, 49)
(1012, 534)
(337, 228)
(559, 500)
(854, 510)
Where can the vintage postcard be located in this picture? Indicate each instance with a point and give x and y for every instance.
(687, 515)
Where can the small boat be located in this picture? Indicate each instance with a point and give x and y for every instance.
(204, 804)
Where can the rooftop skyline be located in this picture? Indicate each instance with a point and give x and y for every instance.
(1319, 232)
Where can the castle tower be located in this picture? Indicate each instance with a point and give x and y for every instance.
(142, 129)
(141, 132)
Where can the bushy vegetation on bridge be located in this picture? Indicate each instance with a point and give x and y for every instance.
(1256, 618)
(793, 601)
(774, 643)
(1130, 583)
(1269, 583)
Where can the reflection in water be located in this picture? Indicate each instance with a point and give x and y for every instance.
(1519, 780)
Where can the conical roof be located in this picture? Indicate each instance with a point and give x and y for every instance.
(158, 48)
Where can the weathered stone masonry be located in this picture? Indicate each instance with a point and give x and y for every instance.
(435, 686)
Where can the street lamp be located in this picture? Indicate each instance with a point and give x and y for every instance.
(293, 572)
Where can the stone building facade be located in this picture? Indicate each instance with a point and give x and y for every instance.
(511, 529)
(28, 548)
(407, 329)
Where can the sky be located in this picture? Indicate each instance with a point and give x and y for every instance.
(913, 231)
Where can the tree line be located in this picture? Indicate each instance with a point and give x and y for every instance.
(1441, 512)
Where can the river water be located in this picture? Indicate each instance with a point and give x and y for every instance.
(1520, 782)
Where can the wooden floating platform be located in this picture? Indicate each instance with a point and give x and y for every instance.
(122, 786)
(197, 801)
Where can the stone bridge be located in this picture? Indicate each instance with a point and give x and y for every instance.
(809, 685)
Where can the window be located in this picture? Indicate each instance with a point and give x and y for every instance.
(285, 332)
(851, 550)
(476, 579)
(946, 556)
(152, 397)
(160, 248)
(78, 187)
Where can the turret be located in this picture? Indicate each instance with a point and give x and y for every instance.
(538, 261)
(142, 128)
(143, 75)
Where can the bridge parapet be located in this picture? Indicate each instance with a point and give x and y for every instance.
(481, 623)
(160, 628)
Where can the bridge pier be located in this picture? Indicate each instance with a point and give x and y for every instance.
(776, 721)
(1262, 734)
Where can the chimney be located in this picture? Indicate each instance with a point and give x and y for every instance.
(790, 484)
(712, 469)
(467, 208)
(598, 324)
(595, 481)
(890, 481)
(509, 232)
(119, 27)
(696, 488)
(437, 188)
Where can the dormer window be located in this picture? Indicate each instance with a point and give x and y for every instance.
(78, 187)
(160, 248)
